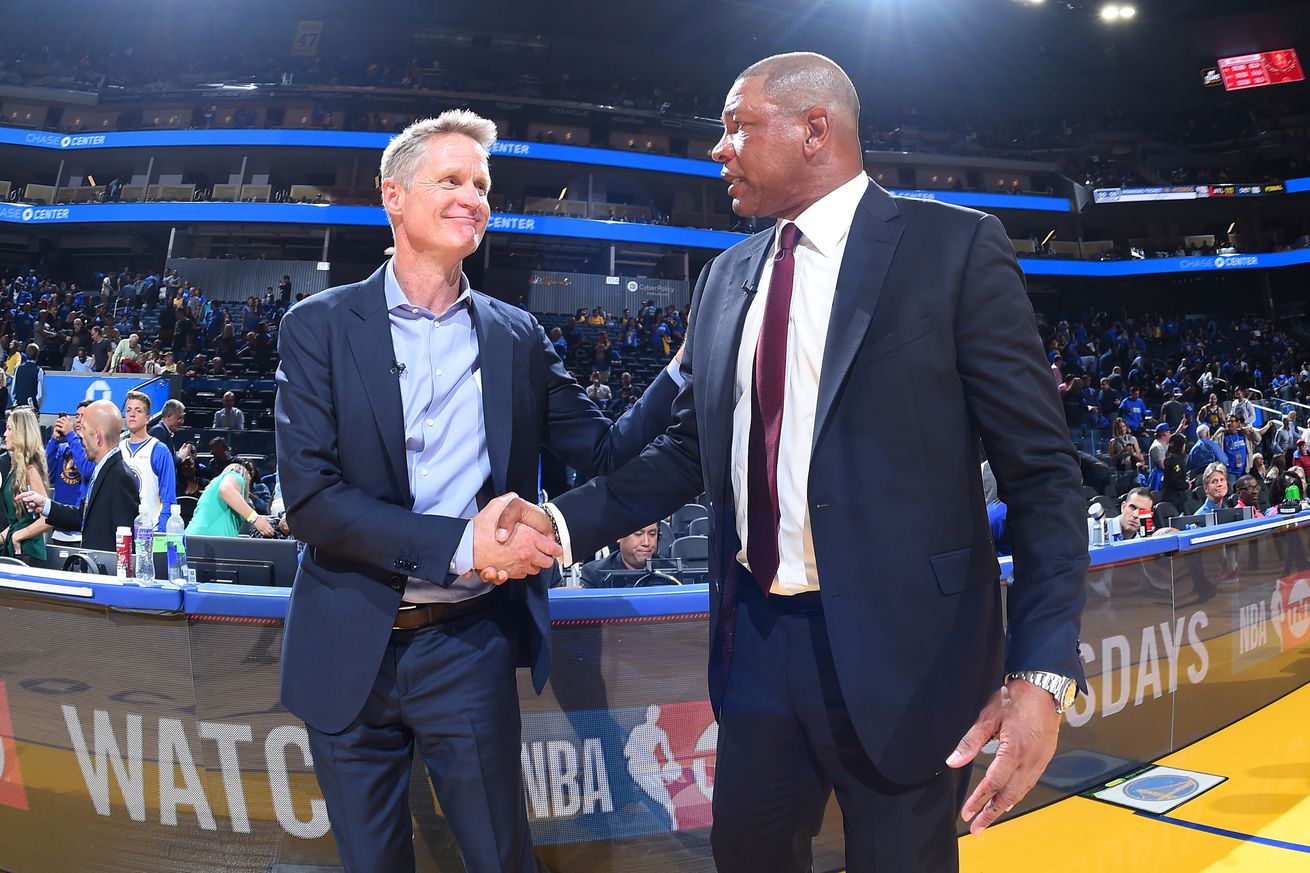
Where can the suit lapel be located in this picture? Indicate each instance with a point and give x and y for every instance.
(370, 342)
(106, 471)
(723, 343)
(869, 249)
(496, 347)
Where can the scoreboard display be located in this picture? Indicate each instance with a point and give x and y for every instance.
(1266, 68)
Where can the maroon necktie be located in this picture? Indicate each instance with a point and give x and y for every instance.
(767, 393)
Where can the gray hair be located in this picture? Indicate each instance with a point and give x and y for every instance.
(1212, 468)
(799, 81)
(1203, 431)
(404, 154)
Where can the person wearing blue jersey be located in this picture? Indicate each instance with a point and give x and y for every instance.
(150, 460)
(70, 468)
(1133, 409)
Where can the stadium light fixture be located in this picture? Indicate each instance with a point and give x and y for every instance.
(1118, 12)
(1127, 12)
(1109, 13)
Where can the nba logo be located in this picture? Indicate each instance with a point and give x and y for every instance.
(12, 792)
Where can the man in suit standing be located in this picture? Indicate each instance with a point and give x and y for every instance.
(404, 402)
(856, 641)
(170, 422)
(112, 497)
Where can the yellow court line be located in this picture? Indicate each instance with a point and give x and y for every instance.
(1267, 796)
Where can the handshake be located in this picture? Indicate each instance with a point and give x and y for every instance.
(512, 538)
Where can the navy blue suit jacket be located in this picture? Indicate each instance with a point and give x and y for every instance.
(931, 347)
(341, 459)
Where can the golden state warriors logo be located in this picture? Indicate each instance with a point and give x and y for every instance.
(68, 474)
(1162, 788)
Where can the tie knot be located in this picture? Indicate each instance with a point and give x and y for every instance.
(789, 237)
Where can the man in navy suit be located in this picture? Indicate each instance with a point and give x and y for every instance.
(856, 641)
(405, 403)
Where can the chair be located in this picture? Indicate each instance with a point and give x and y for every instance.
(699, 527)
(1164, 510)
(1089, 493)
(666, 540)
(1109, 504)
(188, 507)
(683, 517)
(694, 551)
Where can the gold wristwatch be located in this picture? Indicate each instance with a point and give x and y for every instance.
(1062, 688)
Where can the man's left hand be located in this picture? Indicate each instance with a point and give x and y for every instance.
(1023, 717)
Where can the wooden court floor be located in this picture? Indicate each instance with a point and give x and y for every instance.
(1257, 821)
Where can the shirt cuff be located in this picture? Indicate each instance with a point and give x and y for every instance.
(45, 510)
(674, 369)
(566, 559)
(462, 561)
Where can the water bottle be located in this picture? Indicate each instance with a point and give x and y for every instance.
(173, 533)
(143, 535)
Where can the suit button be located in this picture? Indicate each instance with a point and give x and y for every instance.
(396, 583)
(398, 564)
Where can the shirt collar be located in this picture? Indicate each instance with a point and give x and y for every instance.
(101, 463)
(826, 221)
(399, 304)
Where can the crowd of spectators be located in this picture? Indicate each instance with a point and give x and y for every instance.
(1160, 399)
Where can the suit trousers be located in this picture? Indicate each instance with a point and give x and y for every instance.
(450, 689)
(786, 742)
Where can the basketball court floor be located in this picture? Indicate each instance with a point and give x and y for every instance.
(1258, 820)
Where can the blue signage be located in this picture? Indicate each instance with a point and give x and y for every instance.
(1153, 266)
(63, 391)
(979, 200)
(1298, 186)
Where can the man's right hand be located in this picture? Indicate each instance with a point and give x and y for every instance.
(509, 541)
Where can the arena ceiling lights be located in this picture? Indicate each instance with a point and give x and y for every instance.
(1116, 12)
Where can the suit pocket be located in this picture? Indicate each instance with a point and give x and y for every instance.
(899, 338)
(952, 571)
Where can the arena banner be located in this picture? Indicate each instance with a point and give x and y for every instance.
(140, 728)
(63, 391)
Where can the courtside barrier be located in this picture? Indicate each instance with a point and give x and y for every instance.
(140, 729)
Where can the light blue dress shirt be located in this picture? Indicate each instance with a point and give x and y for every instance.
(445, 434)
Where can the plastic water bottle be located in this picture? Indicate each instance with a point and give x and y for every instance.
(143, 537)
(176, 544)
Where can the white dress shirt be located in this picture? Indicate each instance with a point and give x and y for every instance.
(824, 228)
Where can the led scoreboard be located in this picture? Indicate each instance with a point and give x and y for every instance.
(1266, 68)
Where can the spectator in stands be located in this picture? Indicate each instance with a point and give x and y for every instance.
(598, 392)
(170, 422)
(230, 417)
(28, 384)
(1243, 407)
(101, 349)
(249, 315)
(219, 459)
(112, 498)
(1156, 454)
(1214, 481)
(225, 504)
(150, 460)
(1204, 452)
(1133, 409)
(1174, 410)
(199, 368)
(1125, 451)
(217, 369)
(1248, 492)
(1238, 439)
(561, 345)
(284, 291)
(632, 554)
(81, 362)
(69, 467)
(1128, 522)
(188, 471)
(603, 355)
(1175, 471)
(1284, 439)
(127, 350)
(226, 344)
(23, 469)
(1212, 414)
